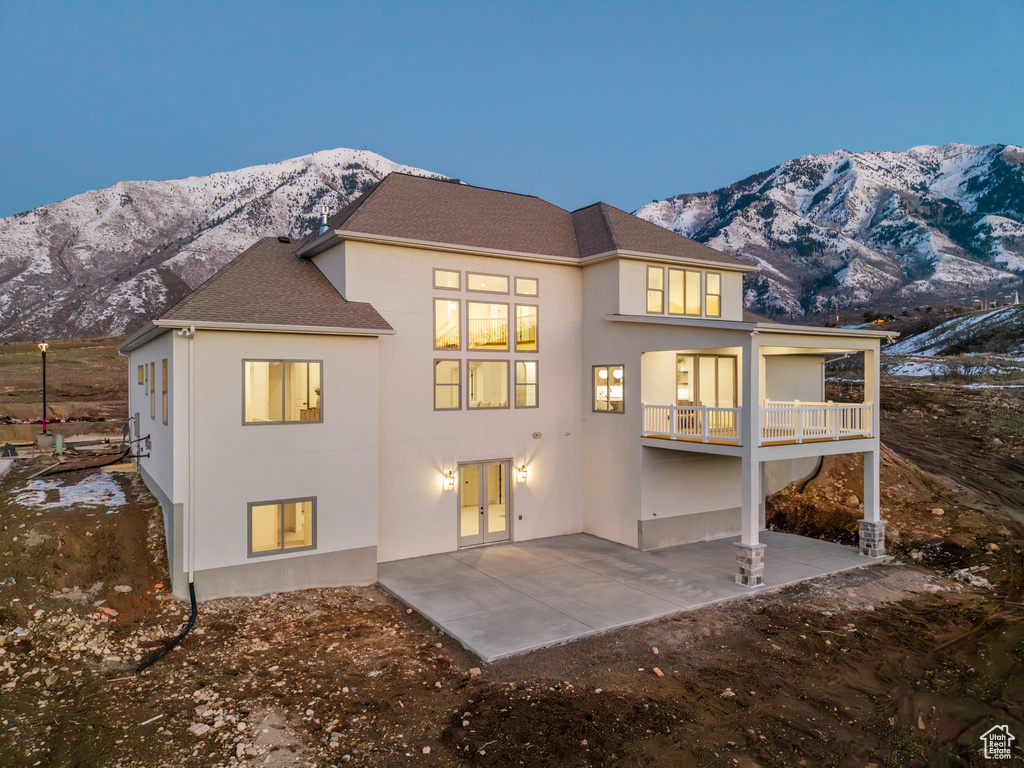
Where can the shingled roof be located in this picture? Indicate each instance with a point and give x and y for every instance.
(267, 285)
(449, 213)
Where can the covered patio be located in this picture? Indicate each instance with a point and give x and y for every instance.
(509, 598)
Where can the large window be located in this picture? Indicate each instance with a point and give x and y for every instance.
(683, 292)
(282, 391)
(152, 390)
(526, 384)
(655, 289)
(608, 388)
(447, 278)
(281, 526)
(526, 328)
(163, 389)
(487, 325)
(486, 283)
(488, 383)
(446, 324)
(447, 385)
(713, 295)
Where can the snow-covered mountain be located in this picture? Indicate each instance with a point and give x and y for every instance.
(868, 228)
(101, 262)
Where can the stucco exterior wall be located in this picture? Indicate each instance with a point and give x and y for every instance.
(418, 445)
(334, 461)
(159, 465)
(795, 377)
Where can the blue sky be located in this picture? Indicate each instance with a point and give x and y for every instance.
(575, 102)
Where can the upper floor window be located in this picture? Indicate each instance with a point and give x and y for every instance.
(526, 286)
(281, 391)
(526, 328)
(447, 279)
(609, 381)
(683, 292)
(152, 390)
(447, 385)
(142, 376)
(713, 295)
(487, 325)
(281, 526)
(679, 291)
(526, 384)
(655, 290)
(488, 383)
(486, 283)
(446, 324)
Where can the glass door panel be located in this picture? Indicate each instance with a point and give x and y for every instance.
(470, 505)
(707, 386)
(497, 502)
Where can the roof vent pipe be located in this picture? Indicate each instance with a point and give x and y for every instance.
(323, 220)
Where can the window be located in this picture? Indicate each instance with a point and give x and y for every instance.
(145, 370)
(281, 526)
(278, 391)
(447, 279)
(526, 384)
(676, 292)
(655, 289)
(141, 374)
(526, 286)
(526, 328)
(608, 388)
(713, 297)
(447, 385)
(488, 325)
(446, 324)
(163, 389)
(488, 384)
(152, 390)
(692, 292)
(486, 283)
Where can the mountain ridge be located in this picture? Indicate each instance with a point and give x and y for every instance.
(854, 228)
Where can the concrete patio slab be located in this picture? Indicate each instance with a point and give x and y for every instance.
(511, 598)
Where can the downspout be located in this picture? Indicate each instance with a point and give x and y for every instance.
(158, 654)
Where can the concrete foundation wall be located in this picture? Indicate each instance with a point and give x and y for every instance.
(344, 567)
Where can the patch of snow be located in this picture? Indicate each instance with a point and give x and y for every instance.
(97, 490)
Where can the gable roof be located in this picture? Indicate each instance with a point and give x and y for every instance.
(267, 285)
(447, 212)
(601, 228)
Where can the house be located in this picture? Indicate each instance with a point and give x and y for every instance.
(445, 366)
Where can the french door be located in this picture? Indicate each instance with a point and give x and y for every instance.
(484, 510)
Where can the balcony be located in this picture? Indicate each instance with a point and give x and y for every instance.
(781, 422)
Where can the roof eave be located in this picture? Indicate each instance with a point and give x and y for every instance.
(207, 325)
(666, 258)
(144, 335)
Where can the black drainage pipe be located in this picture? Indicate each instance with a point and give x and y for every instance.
(817, 471)
(159, 653)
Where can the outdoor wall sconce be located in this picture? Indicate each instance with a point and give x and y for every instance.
(449, 480)
(521, 473)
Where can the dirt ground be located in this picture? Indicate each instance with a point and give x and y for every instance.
(84, 380)
(898, 664)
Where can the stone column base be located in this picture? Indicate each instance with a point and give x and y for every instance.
(750, 564)
(872, 538)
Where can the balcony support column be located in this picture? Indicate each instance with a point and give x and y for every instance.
(749, 549)
(872, 527)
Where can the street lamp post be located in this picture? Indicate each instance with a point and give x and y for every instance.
(43, 346)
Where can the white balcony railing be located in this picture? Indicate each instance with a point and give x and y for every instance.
(693, 422)
(797, 421)
(781, 422)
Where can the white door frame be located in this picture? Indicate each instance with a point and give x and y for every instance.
(483, 493)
